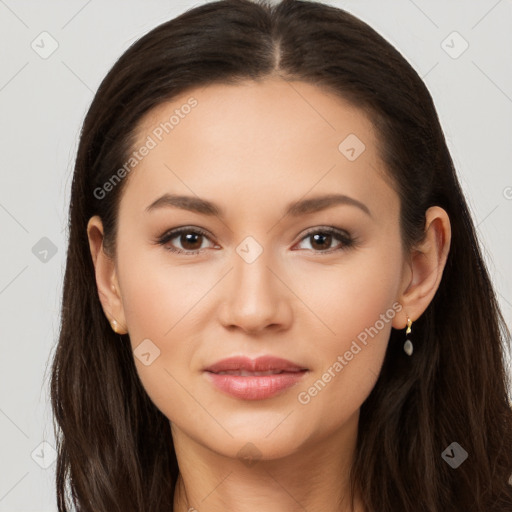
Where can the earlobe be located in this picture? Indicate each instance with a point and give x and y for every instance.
(427, 263)
(106, 277)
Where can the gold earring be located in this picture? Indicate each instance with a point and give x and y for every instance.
(115, 327)
(408, 347)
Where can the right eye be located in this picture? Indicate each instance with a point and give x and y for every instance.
(190, 238)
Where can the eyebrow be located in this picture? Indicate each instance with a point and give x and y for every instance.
(295, 209)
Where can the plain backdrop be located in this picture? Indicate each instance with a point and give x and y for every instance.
(54, 55)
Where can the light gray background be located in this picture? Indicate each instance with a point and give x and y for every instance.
(42, 104)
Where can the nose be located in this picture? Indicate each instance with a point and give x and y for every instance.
(255, 298)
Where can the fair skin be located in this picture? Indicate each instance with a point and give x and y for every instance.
(252, 149)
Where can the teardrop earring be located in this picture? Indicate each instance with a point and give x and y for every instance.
(408, 347)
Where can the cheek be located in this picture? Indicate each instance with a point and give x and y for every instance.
(163, 309)
(348, 298)
(157, 294)
(356, 306)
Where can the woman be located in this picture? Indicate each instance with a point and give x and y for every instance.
(274, 296)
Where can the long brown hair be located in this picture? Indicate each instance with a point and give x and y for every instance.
(115, 451)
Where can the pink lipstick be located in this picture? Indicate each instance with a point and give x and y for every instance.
(254, 379)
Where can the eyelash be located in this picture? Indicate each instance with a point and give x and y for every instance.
(347, 241)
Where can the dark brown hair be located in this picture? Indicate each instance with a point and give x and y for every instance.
(115, 451)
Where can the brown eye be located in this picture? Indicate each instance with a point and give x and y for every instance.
(184, 240)
(321, 240)
(190, 241)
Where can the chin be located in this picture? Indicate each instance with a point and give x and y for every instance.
(258, 440)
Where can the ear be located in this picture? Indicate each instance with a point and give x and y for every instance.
(424, 270)
(106, 278)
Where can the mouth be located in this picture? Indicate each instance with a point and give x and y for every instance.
(254, 379)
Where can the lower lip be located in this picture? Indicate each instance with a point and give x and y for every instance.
(257, 387)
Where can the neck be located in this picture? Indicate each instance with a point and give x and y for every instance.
(314, 478)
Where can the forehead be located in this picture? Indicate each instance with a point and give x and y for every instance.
(258, 137)
(273, 111)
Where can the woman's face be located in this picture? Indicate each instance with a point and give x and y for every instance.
(256, 162)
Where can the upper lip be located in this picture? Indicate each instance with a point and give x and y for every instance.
(260, 364)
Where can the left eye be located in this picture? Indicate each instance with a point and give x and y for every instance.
(322, 239)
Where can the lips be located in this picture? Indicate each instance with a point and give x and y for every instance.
(254, 379)
(265, 365)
